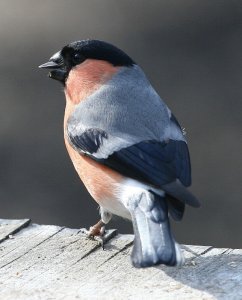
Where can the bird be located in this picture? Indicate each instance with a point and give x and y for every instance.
(126, 145)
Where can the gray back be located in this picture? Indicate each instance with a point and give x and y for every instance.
(127, 108)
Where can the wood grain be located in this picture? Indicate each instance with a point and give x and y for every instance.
(51, 262)
(9, 227)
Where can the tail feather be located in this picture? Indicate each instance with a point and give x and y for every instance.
(176, 190)
(153, 243)
(176, 208)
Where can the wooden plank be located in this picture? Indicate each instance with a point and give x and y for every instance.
(9, 227)
(52, 255)
(60, 263)
(23, 242)
(118, 279)
(71, 265)
(58, 255)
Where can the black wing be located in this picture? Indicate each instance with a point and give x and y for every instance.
(153, 162)
(89, 141)
(159, 164)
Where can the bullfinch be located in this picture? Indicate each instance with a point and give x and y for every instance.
(126, 146)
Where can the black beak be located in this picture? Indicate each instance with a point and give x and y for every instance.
(50, 65)
(57, 66)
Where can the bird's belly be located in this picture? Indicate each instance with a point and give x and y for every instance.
(101, 182)
(116, 207)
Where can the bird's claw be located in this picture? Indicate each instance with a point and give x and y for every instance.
(95, 233)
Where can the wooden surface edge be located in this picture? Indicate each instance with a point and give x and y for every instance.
(53, 262)
(9, 227)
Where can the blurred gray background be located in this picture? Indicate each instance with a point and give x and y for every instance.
(191, 52)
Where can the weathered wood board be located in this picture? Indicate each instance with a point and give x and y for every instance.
(51, 262)
(9, 227)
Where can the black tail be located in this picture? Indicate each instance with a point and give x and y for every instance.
(153, 243)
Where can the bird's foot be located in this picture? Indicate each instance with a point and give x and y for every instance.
(96, 232)
(99, 234)
(97, 229)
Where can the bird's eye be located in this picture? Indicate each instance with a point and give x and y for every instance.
(78, 58)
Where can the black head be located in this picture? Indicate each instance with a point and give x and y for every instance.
(77, 52)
